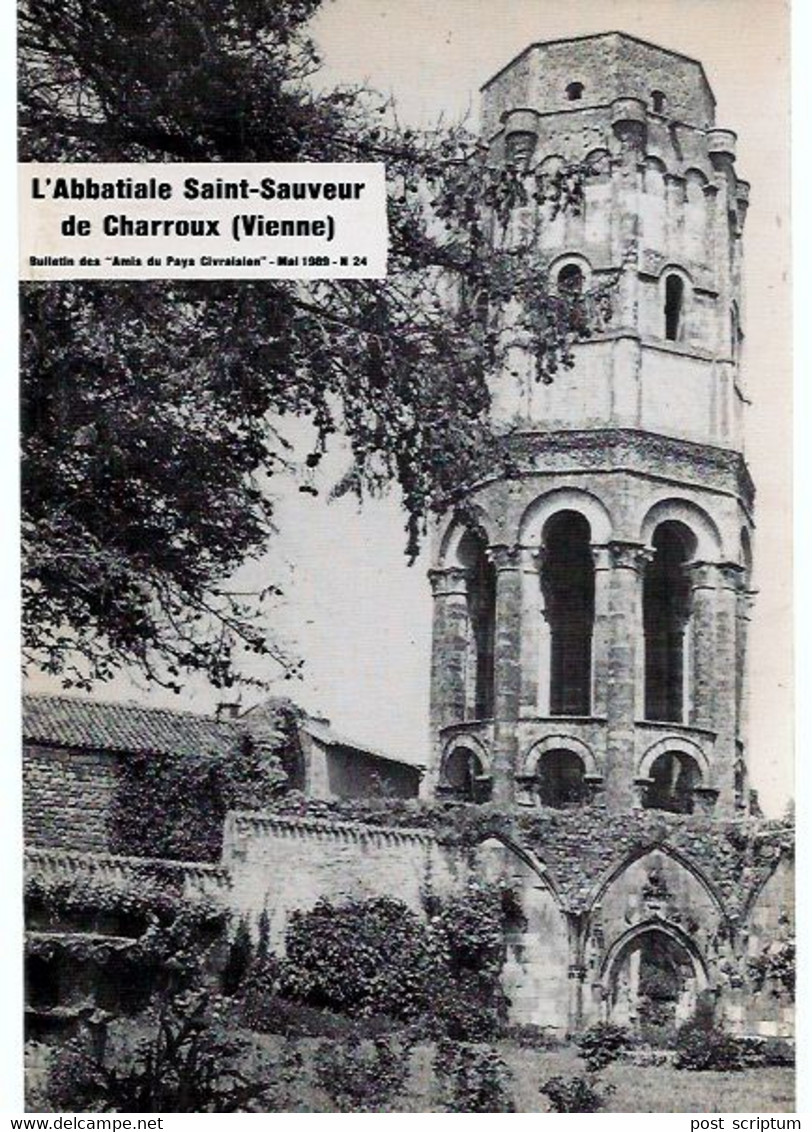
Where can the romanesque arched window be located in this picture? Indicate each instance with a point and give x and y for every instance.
(560, 777)
(482, 622)
(570, 280)
(674, 777)
(658, 102)
(464, 777)
(568, 580)
(666, 607)
(575, 92)
(673, 308)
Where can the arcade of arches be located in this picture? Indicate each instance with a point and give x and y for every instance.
(613, 636)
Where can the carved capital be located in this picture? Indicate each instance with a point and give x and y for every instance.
(449, 581)
(505, 557)
(732, 576)
(629, 556)
(701, 575)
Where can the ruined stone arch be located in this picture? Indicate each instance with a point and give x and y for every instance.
(560, 742)
(544, 507)
(674, 743)
(655, 924)
(709, 546)
(658, 948)
(465, 771)
(614, 872)
(490, 838)
(457, 528)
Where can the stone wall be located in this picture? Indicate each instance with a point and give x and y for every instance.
(279, 863)
(67, 795)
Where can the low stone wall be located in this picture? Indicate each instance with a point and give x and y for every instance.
(194, 880)
(279, 863)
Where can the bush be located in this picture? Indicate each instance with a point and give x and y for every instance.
(602, 1044)
(473, 1078)
(187, 1064)
(362, 1076)
(575, 1094)
(701, 1048)
(362, 958)
(466, 1011)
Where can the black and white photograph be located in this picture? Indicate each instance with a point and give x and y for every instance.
(407, 650)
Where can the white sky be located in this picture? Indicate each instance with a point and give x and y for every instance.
(353, 610)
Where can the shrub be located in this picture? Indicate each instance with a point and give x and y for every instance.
(362, 1076)
(473, 1078)
(187, 1064)
(768, 1051)
(575, 1094)
(458, 1012)
(602, 1044)
(700, 1048)
(362, 958)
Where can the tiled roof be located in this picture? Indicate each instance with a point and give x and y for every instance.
(322, 731)
(126, 728)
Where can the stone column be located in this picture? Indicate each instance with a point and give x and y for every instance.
(731, 579)
(533, 692)
(601, 630)
(507, 561)
(702, 693)
(449, 655)
(625, 632)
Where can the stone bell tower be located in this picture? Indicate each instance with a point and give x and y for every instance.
(590, 614)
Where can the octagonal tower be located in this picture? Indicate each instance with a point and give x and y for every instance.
(590, 619)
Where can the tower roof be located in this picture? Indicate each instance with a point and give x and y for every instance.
(608, 65)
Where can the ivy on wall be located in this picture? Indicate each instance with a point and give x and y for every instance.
(173, 806)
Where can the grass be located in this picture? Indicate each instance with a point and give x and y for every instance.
(637, 1088)
(650, 1088)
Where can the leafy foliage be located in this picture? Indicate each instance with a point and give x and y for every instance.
(602, 1044)
(174, 806)
(775, 967)
(188, 1064)
(362, 1076)
(362, 958)
(154, 413)
(575, 1094)
(474, 1078)
(703, 1047)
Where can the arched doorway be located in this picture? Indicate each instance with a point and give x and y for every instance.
(653, 978)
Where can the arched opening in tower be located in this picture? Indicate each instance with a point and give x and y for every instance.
(666, 608)
(674, 777)
(560, 777)
(482, 622)
(674, 295)
(464, 778)
(568, 578)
